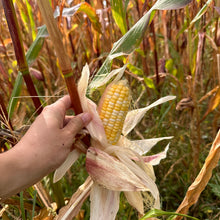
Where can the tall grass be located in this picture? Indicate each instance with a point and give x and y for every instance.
(177, 55)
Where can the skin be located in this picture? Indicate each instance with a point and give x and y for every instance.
(42, 149)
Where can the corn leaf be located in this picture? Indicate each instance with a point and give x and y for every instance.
(215, 189)
(31, 18)
(131, 40)
(15, 93)
(23, 12)
(82, 7)
(157, 213)
(37, 45)
(119, 15)
(201, 12)
(196, 188)
(22, 205)
(213, 104)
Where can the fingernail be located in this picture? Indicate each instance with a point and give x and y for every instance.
(86, 117)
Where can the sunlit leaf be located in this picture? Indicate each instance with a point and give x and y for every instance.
(170, 4)
(31, 18)
(201, 12)
(22, 9)
(149, 82)
(119, 14)
(131, 40)
(82, 7)
(37, 45)
(15, 93)
(135, 70)
(90, 12)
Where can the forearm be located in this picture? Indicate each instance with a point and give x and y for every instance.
(19, 169)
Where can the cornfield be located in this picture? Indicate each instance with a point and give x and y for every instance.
(168, 54)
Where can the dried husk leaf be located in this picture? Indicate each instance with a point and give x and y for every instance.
(134, 117)
(135, 199)
(70, 160)
(95, 127)
(45, 214)
(73, 207)
(141, 146)
(145, 172)
(103, 81)
(194, 191)
(156, 158)
(104, 203)
(214, 102)
(111, 173)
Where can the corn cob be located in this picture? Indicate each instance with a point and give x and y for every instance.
(113, 107)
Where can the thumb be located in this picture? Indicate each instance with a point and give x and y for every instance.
(75, 125)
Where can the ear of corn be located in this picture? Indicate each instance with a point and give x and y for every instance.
(113, 107)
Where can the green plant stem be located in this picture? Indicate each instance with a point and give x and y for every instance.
(19, 51)
(22, 206)
(34, 203)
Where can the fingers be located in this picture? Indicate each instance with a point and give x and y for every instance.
(62, 104)
(67, 119)
(76, 124)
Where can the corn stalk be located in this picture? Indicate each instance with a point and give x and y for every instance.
(19, 51)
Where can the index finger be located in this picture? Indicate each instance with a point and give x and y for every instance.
(62, 104)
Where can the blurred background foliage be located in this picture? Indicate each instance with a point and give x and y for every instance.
(179, 55)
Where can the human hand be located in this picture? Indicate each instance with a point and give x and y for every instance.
(43, 148)
(52, 134)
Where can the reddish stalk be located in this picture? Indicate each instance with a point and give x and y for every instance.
(19, 51)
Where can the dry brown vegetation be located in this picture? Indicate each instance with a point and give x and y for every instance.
(179, 55)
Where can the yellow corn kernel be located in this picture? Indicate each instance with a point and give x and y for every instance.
(113, 107)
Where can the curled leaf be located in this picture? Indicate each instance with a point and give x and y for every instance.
(70, 160)
(156, 158)
(135, 199)
(141, 146)
(196, 188)
(134, 117)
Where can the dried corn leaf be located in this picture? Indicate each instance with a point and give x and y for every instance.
(104, 203)
(45, 214)
(202, 179)
(133, 117)
(73, 207)
(70, 160)
(135, 199)
(213, 104)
